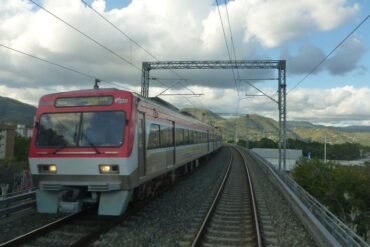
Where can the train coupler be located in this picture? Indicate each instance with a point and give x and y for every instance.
(69, 207)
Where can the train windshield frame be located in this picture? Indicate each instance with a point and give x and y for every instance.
(83, 129)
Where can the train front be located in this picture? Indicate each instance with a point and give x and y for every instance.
(81, 151)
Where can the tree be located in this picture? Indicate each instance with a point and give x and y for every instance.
(344, 190)
(21, 148)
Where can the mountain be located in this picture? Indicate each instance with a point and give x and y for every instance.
(202, 114)
(16, 112)
(251, 126)
(255, 127)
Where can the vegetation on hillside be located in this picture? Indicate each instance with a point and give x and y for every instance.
(345, 151)
(254, 127)
(344, 190)
(11, 169)
(13, 111)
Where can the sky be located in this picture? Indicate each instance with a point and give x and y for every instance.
(301, 32)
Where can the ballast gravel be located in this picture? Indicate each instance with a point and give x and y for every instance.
(22, 224)
(166, 219)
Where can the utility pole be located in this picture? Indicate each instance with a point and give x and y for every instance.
(247, 117)
(235, 133)
(325, 149)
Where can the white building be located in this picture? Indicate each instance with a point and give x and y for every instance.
(7, 136)
(272, 155)
(23, 131)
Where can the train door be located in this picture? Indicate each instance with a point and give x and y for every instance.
(208, 139)
(141, 145)
(171, 145)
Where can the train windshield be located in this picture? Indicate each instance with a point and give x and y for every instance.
(81, 129)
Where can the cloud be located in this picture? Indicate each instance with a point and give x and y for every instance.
(333, 106)
(171, 30)
(346, 58)
(304, 61)
(275, 22)
(337, 106)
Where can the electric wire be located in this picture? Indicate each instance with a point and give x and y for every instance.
(87, 36)
(59, 65)
(50, 62)
(329, 54)
(232, 39)
(98, 43)
(227, 46)
(134, 42)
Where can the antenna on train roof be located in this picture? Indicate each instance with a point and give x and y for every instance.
(96, 86)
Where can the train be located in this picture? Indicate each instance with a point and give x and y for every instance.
(107, 146)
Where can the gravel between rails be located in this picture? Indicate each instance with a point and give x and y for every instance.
(165, 220)
(23, 224)
(286, 227)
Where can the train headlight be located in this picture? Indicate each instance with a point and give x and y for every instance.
(108, 169)
(47, 168)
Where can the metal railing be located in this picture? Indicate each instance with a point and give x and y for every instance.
(16, 203)
(339, 231)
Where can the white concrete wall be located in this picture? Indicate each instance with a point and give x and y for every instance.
(2, 143)
(290, 163)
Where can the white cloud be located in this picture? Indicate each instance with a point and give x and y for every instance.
(275, 22)
(171, 30)
(333, 106)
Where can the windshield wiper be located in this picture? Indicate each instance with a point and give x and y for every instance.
(91, 144)
(64, 145)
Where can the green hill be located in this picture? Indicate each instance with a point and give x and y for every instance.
(255, 127)
(16, 112)
(202, 114)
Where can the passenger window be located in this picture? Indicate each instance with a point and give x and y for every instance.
(154, 137)
(179, 137)
(186, 137)
(166, 136)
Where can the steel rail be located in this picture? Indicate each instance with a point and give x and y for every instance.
(40, 231)
(253, 200)
(202, 230)
(16, 203)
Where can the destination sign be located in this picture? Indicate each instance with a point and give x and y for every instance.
(84, 101)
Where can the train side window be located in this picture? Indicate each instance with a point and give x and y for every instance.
(186, 137)
(179, 137)
(166, 136)
(154, 137)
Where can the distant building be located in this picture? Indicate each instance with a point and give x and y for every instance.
(272, 155)
(23, 131)
(7, 139)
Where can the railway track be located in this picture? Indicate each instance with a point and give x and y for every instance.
(73, 230)
(232, 219)
(83, 228)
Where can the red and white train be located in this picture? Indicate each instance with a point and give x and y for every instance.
(103, 145)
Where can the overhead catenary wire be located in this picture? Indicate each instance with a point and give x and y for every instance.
(95, 41)
(58, 65)
(329, 54)
(135, 42)
(227, 46)
(87, 36)
(231, 38)
(50, 62)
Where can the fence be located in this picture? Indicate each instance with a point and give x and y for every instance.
(339, 231)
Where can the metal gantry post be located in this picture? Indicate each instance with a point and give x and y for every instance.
(145, 79)
(282, 115)
(280, 65)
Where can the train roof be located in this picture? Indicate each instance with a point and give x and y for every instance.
(153, 100)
